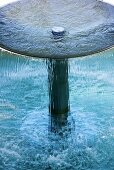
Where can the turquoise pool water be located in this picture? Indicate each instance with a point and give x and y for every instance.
(84, 137)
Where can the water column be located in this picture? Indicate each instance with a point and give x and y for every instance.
(58, 93)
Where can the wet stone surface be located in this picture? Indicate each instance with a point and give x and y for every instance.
(25, 27)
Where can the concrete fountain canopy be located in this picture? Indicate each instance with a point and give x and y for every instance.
(26, 27)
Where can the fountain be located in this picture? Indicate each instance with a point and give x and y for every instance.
(26, 27)
(29, 27)
(55, 31)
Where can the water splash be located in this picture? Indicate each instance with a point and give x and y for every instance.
(83, 138)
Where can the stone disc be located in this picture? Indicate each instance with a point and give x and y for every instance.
(26, 27)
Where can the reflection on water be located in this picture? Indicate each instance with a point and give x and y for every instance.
(38, 133)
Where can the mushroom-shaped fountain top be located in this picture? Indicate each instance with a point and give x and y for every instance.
(57, 29)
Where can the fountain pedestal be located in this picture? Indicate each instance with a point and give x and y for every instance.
(58, 86)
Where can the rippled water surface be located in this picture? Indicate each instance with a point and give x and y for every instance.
(82, 139)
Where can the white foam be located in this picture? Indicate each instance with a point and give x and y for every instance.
(10, 152)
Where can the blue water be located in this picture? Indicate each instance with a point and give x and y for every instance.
(85, 140)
